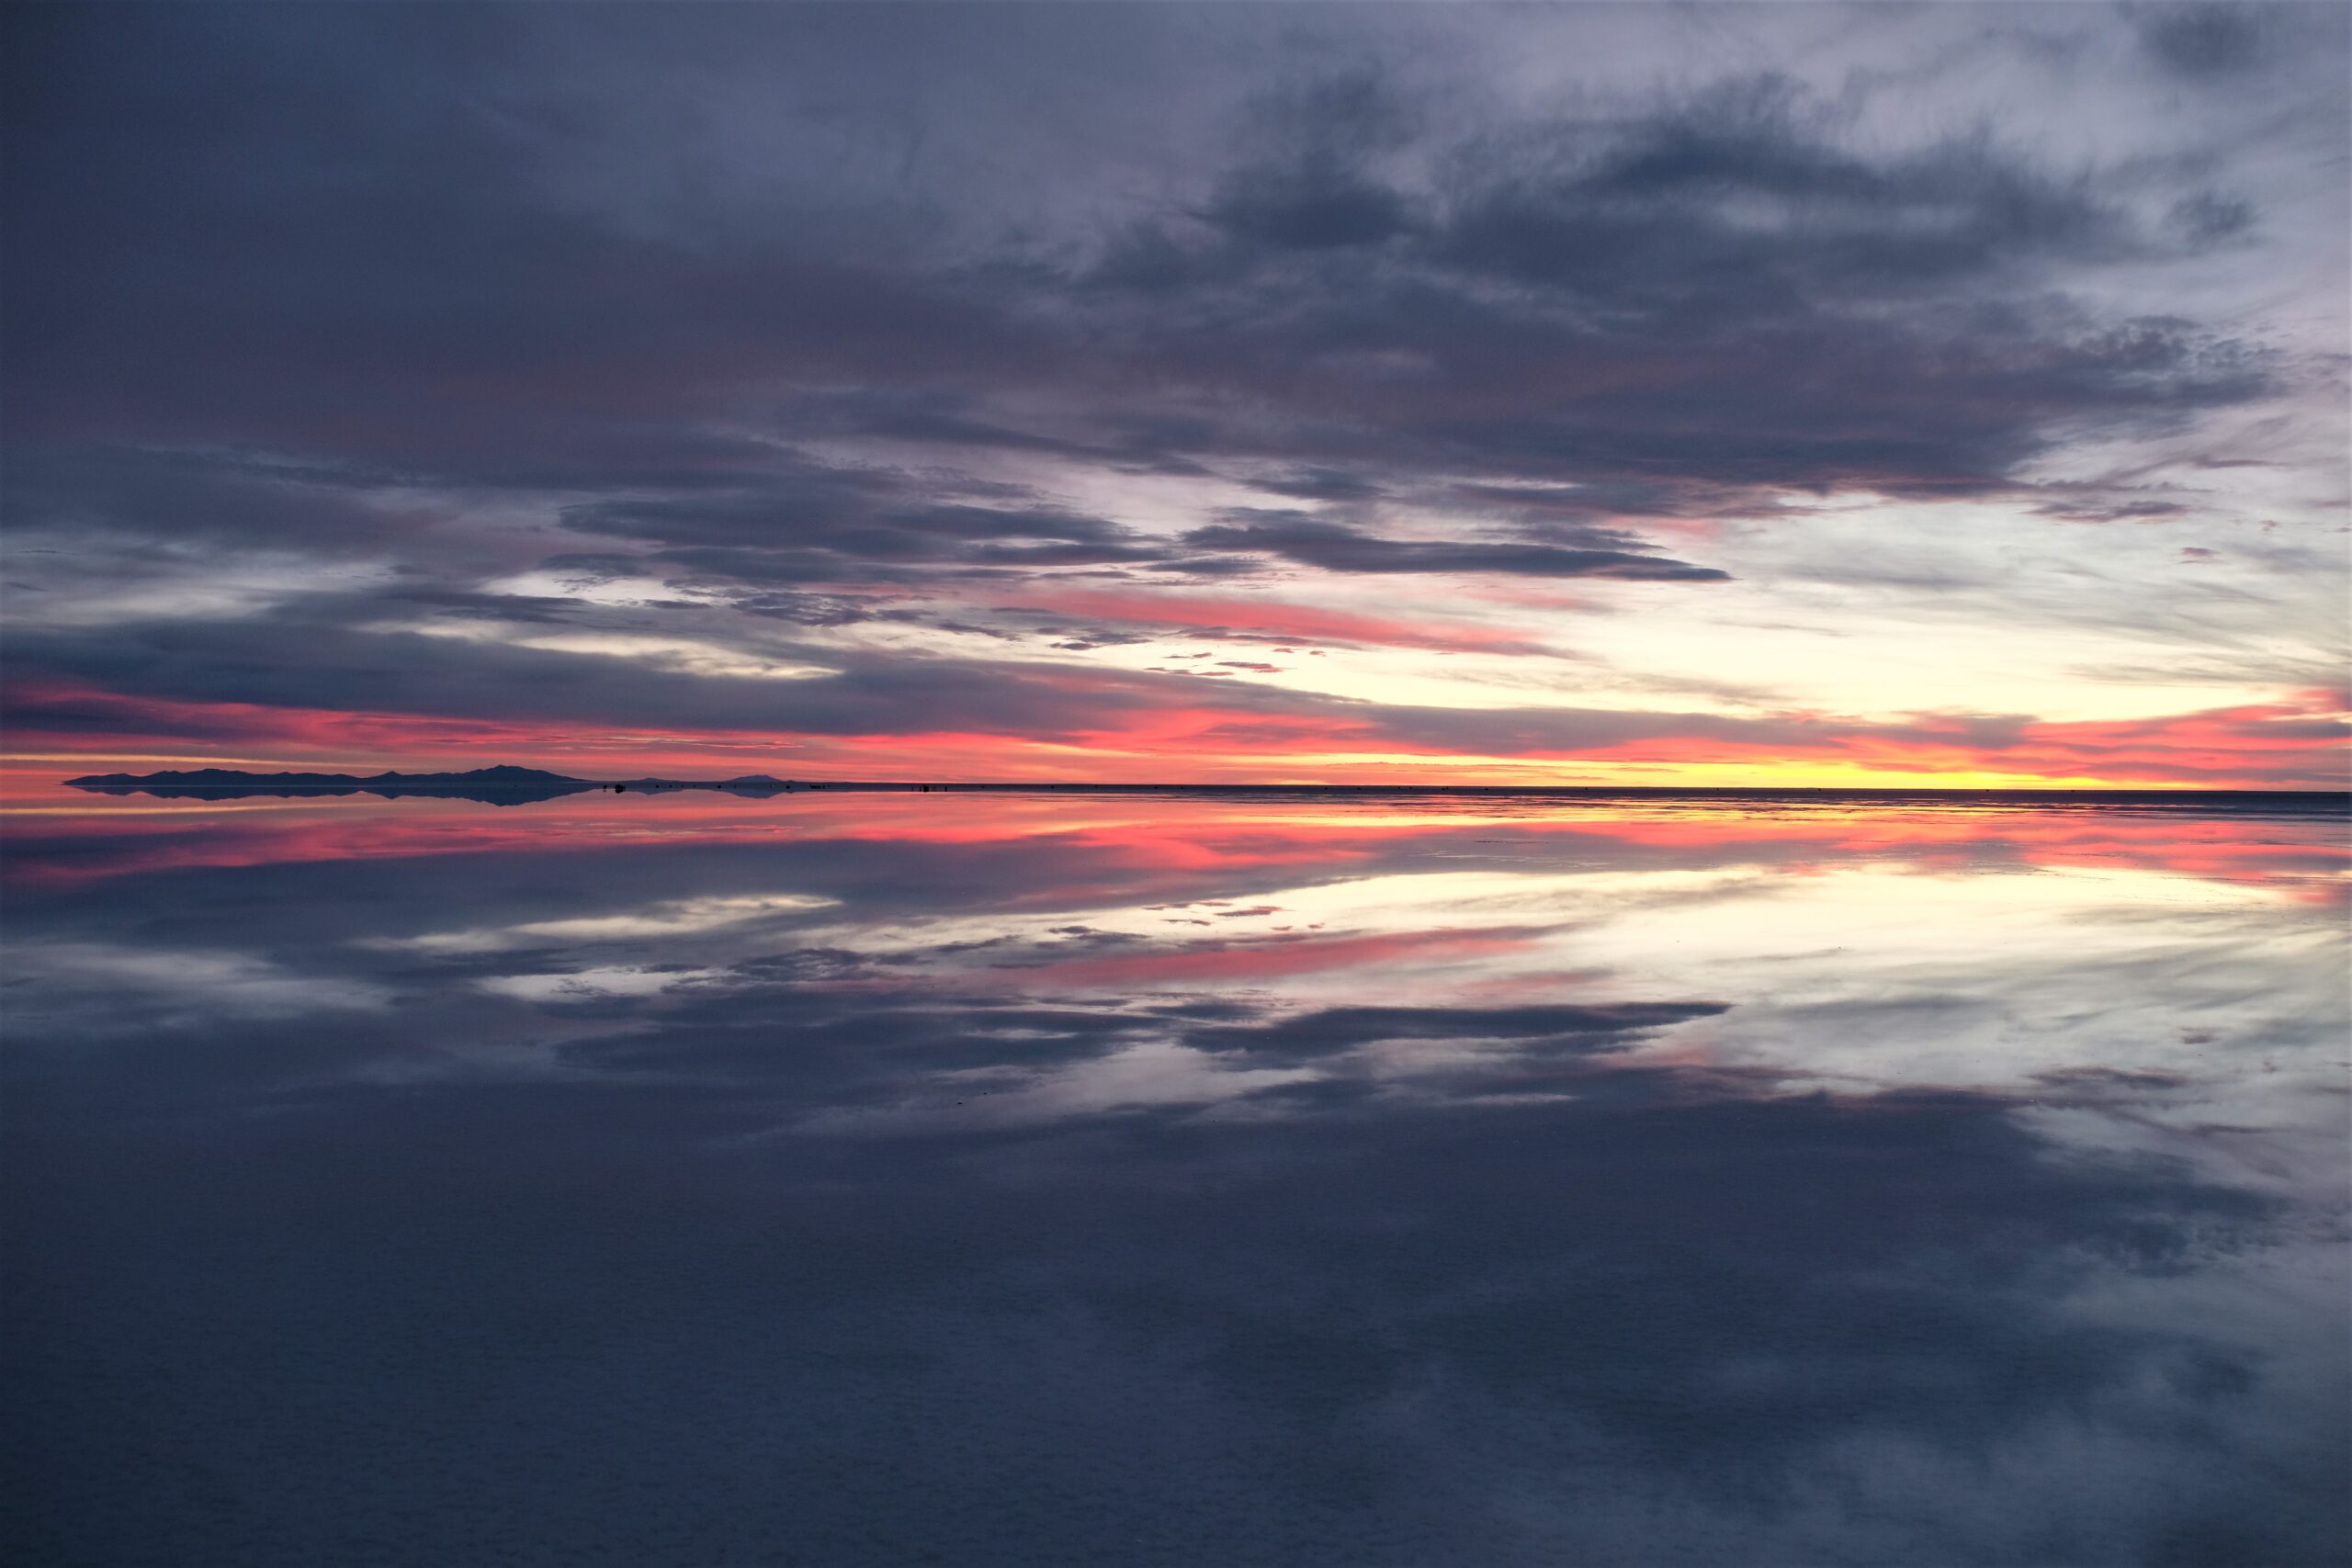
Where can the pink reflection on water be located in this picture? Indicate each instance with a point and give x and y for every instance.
(58, 836)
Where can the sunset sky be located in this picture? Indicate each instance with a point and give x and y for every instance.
(1623, 394)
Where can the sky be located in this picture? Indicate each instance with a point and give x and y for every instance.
(1569, 395)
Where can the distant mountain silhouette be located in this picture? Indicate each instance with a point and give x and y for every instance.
(239, 778)
(502, 785)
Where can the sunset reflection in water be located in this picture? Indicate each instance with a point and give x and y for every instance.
(1177, 1179)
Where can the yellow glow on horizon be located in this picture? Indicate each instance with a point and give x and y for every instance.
(1599, 771)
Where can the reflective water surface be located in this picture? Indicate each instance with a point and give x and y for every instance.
(1063, 1179)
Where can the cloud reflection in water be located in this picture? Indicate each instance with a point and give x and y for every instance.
(1035, 1180)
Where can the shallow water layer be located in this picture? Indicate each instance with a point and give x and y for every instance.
(1179, 1180)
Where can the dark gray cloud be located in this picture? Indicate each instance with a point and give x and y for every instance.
(407, 671)
(1311, 208)
(860, 519)
(202, 497)
(1320, 484)
(2209, 40)
(1313, 1034)
(1333, 547)
(1740, 204)
(344, 236)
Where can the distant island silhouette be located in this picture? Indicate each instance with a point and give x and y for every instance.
(506, 784)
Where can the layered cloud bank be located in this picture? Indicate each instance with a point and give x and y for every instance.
(1795, 395)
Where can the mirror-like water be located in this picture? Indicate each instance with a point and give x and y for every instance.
(1066, 1178)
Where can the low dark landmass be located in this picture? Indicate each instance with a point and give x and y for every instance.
(502, 785)
(236, 778)
(508, 785)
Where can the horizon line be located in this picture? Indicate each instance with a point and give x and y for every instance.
(1204, 787)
